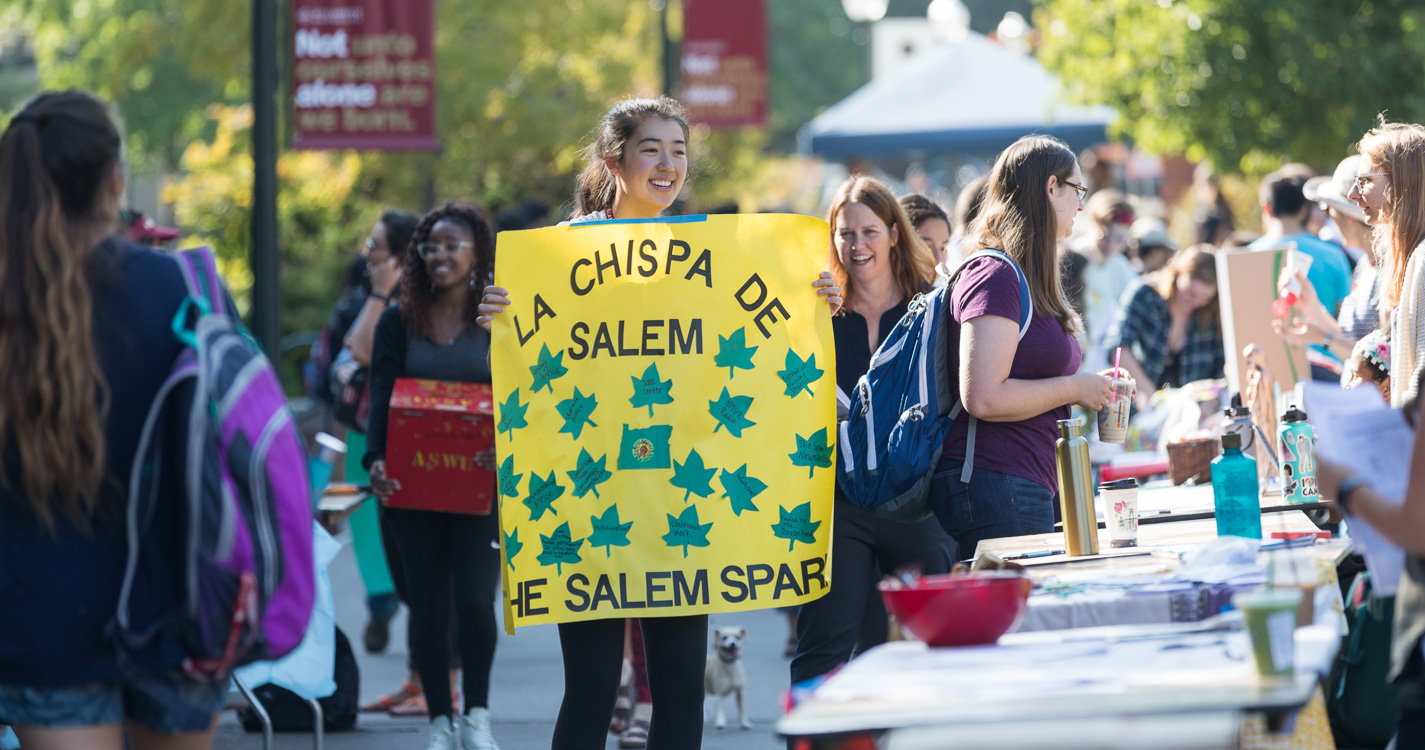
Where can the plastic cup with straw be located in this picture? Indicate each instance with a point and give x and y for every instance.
(1113, 418)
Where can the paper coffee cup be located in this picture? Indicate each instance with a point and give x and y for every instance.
(1120, 514)
(1113, 418)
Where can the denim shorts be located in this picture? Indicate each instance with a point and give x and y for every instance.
(168, 703)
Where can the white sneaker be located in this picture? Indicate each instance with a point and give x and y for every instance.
(442, 734)
(475, 730)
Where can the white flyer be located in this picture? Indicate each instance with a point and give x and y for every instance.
(1356, 428)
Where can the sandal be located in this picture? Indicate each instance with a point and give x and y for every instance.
(416, 706)
(623, 713)
(392, 701)
(636, 735)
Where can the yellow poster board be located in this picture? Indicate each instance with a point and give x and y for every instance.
(665, 415)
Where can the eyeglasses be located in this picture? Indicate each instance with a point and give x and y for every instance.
(428, 250)
(1080, 189)
(1364, 179)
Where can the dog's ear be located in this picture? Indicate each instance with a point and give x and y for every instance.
(741, 632)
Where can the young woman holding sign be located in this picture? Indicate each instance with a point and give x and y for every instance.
(1015, 388)
(431, 336)
(635, 170)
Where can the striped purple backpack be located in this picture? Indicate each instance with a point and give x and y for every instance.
(245, 500)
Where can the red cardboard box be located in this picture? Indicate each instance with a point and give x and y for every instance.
(434, 430)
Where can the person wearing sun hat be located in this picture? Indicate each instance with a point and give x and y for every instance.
(1359, 313)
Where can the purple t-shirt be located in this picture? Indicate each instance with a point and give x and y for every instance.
(988, 286)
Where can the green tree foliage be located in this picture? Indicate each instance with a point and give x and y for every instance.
(1239, 82)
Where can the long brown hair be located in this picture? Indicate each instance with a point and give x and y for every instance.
(1399, 150)
(1198, 262)
(54, 159)
(597, 185)
(1018, 219)
(912, 265)
(417, 294)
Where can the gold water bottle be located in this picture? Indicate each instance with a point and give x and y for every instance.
(1071, 453)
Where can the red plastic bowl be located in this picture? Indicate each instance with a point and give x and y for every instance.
(959, 610)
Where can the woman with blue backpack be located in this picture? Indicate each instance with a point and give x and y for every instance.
(879, 260)
(1017, 368)
(87, 342)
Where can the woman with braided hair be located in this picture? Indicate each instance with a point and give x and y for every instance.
(449, 559)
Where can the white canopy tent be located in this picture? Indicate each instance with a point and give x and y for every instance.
(967, 96)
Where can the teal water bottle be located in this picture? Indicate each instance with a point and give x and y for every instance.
(319, 467)
(1234, 491)
(1298, 453)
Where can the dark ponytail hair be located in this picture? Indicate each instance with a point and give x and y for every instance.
(55, 157)
(597, 186)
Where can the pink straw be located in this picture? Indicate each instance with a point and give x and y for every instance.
(1117, 356)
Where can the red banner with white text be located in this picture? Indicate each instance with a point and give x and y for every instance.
(725, 75)
(363, 74)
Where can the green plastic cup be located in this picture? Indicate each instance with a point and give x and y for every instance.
(1271, 624)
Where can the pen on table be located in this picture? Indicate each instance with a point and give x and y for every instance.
(1040, 553)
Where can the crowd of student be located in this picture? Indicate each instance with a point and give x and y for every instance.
(85, 332)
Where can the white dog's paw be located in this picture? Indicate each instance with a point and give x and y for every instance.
(746, 724)
(721, 723)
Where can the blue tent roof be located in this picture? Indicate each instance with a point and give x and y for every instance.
(974, 95)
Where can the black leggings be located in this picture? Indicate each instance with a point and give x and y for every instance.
(398, 580)
(676, 649)
(449, 557)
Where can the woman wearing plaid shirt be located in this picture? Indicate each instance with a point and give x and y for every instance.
(1169, 327)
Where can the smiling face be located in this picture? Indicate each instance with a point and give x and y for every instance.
(863, 243)
(1065, 201)
(935, 233)
(450, 257)
(651, 173)
(1370, 192)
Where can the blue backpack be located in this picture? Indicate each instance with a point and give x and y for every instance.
(902, 408)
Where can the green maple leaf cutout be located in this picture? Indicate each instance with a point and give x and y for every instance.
(796, 526)
(512, 414)
(685, 531)
(547, 369)
(731, 412)
(559, 548)
(542, 494)
(692, 476)
(513, 545)
(608, 532)
(576, 412)
(812, 453)
(588, 474)
(733, 352)
(509, 480)
(800, 374)
(740, 489)
(649, 390)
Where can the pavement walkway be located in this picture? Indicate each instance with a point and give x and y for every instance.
(526, 686)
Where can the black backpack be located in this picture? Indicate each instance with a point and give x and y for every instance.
(1359, 701)
(289, 713)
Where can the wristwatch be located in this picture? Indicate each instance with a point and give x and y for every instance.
(386, 298)
(1328, 337)
(1350, 485)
